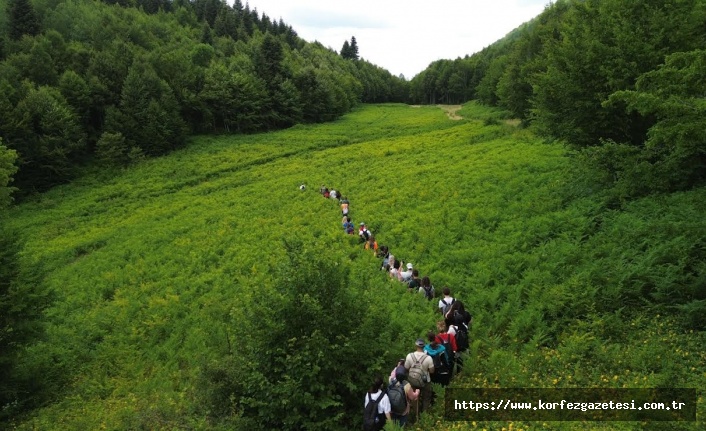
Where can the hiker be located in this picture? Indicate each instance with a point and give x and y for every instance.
(406, 276)
(302, 187)
(420, 366)
(457, 315)
(363, 232)
(449, 342)
(333, 194)
(385, 254)
(326, 192)
(395, 270)
(388, 262)
(446, 302)
(348, 225)
(442, 367)
(458, 321)
(426, 288)
(401, 393)
(375, 420)
(415, 283)
(344, 207)
(371, 244)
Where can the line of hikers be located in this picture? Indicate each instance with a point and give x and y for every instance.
(432, 361)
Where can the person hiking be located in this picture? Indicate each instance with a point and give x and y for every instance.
(458, 322)
(415, 283)
(395, 270)
(371, 244)
(420, 367)
(457, 315)
(348, 225)
(374, 420)
(384, 253)
(406, 276)
(401, 393)
(437, 351)
(446, 302)
(344, 207)
(449, 342)
(388, 262)
(363, 232)
(426, 288)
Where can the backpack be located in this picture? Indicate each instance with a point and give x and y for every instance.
(370, 413)
(447, 345)
(446, 306)
(429, 294)
(461, 337)
(459, 318)
(441, 363)
(398, 397)
(416, 375)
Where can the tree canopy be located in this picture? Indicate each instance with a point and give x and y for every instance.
(100, 81)
(582, 72)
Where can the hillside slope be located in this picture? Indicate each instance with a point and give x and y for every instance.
(162, 278)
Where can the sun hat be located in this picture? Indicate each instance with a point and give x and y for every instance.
(409, 266)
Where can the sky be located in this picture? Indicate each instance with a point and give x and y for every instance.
(403, 36)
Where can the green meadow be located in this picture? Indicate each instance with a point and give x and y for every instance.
(204, 290)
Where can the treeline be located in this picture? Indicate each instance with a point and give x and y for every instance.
(620, 80)
(122, 80)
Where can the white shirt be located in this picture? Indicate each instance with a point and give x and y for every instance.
(406, 275)
(384, 404)
(449, 300)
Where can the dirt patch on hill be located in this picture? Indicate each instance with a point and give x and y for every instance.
(451, 111)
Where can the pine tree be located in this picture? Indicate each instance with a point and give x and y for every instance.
(354, 49)
(23, 19)
(346, 50)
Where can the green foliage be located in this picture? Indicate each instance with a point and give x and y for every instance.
(47, 136)
(583, 74)
(23, 19)
(111, 149)
(674, 155)
(155, 71)
(148, 114)
(179, 305)
(349, 51)
(7, 170)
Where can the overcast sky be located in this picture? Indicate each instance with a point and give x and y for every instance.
(403, 36)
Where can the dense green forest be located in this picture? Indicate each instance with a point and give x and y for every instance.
(87, 82)
(622, 80)
(160, 268)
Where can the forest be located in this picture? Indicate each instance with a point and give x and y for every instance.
(88, 83)
(621, 81)
(161, 269)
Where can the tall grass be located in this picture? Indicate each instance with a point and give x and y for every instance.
(151, 268)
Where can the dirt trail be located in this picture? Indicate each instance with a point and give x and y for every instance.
(451, 111)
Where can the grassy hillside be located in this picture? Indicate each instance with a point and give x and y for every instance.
(155, 276)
